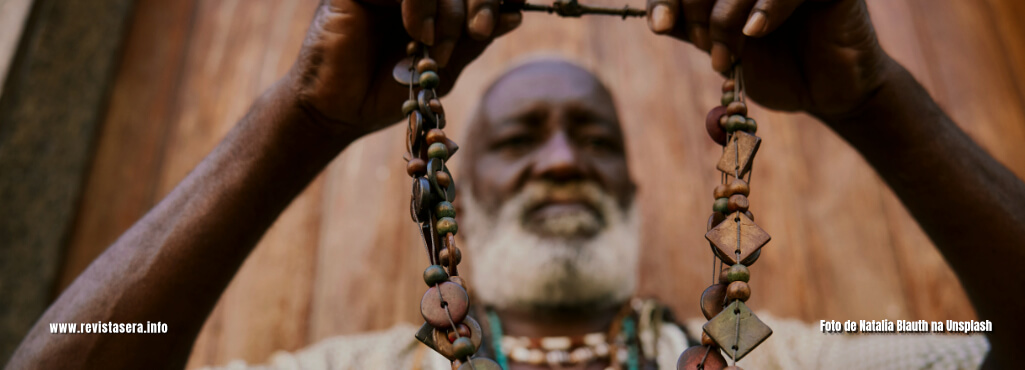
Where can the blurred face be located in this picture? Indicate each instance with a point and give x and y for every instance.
(549, 217)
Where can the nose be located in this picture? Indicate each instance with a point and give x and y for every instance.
(558, 160)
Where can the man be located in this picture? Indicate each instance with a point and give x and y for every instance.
(548, 174)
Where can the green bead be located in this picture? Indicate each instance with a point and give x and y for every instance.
(429, 80)
(463, 347)
(445, 209)
(721, 205)
(437, 150)
(434, 275)
(735, 122)
(447, 225)
(738, 272)
(751, 126)
(727, 98)
(409, 106)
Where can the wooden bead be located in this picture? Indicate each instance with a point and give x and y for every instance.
(706, 340)
(738, 186)
(727, 98)
(724, 276)
(715, 131)
(450, 256)
(461, 329)
(751, 126)
(463, 347)
(729, 85)
(738, 290)
(416, 167)
(425, 65)
(429, 80)
(722, 121)
(721, 205)
(737, 202)
(444, 180)
(447, 225)
(444, 209)
(437, 150)
(738, 272)
(409, 106)
(435, 136)
(460, 281)
(456, 301)
(721, 191)
(735, 122)
(712, 300)
(736, 107)
(692, 358)
(412, 48)
(715, 219)
(436, 106)
(435, 275)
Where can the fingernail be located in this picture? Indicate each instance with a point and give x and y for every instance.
(443, 52)
(720, 57)
(661, 19)
(482, 24)
(699, 37)
(756, 24)
(427, 31)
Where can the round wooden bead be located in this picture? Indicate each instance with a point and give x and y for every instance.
(729, 85)
(463, 347)
(735, 122)
(751, 126)
(446, 347)
(443, 179)
(416, 167)
(721, 191)
(435, 275)
(738, 290)
(715, 219)
(722, 121)
(712, 300)
(738, 186)
(429, 80)
(435, 313)
(692, 358)
(447, 225)
(460, 281)
(737, 202)
(435, 136)
(715, 131)
(437, 150)
(444, 209)
(436, 106)
(450, 256)
(426, 64)
(706, 340)
(413, 48)
(736, 107)
(480, 363)
(727, 98)
(409, 106)
(721, 205)
(724, 276)
(461, 329)
(738, 272)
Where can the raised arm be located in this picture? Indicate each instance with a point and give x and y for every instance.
(174, 263)
(823, 57)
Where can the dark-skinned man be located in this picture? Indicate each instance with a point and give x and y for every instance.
(555, 159)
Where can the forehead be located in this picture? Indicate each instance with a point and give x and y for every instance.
(548, 84)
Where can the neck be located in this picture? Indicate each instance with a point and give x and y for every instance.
(557, 321)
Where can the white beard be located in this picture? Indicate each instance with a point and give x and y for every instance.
(516, 267)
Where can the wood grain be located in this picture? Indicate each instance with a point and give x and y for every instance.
(325, 269)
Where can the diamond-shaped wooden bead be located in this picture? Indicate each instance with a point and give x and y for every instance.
(723, 330)
(740, 151)
(724, 238)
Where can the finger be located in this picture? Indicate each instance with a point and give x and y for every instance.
(508, 22)
(696, 14)
(724, 28)
(481, 18)
(451, 15)
(418, 16)
(662, 15)
(768, 15)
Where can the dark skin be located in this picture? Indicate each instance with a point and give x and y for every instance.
(820, 57)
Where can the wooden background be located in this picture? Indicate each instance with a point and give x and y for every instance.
(843, 246)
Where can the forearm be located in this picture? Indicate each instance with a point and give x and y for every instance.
(969, 204)
(173, 264)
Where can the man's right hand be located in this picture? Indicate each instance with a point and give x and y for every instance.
(343, 76)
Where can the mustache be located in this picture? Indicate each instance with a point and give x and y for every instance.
(541, 193)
